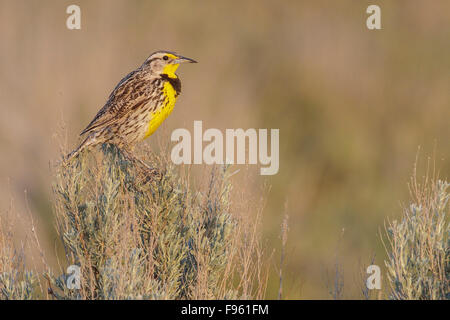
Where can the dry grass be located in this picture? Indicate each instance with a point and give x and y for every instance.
(16, 281)
(173, 237)
(136, 237)
(418, 245)
(351, 104)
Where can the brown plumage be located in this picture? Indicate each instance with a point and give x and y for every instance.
(138, 104)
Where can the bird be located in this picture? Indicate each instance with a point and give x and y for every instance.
(137, 106)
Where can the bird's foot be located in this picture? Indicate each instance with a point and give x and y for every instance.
(148, 174)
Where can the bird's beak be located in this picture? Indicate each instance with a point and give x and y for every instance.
(181, 59)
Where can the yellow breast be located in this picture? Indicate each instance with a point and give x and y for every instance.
(161, 113)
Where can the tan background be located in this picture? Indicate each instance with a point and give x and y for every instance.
(352, 106)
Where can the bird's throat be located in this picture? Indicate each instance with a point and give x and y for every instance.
(170, 70)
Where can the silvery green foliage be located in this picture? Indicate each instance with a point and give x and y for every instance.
(419, 247)
(16, 281)
(17, 285)
(140, 238)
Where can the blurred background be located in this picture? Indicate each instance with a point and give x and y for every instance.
(352, 105)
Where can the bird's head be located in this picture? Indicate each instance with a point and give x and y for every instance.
(165, 62)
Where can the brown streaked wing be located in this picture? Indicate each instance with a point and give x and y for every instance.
(124, 98)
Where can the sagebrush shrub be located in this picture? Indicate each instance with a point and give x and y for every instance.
(418, 247)
(135, 236)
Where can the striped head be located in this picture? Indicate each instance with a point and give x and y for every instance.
(165, 62)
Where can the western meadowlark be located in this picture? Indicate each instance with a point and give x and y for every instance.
(137, 106)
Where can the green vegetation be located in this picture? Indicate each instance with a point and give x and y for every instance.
(418, 248)
(352, 106)
(136, 236)
(16, 282)
(143, 237)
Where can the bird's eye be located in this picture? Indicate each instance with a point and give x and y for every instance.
(166, 58)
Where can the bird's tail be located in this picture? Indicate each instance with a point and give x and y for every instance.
(86, 143)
